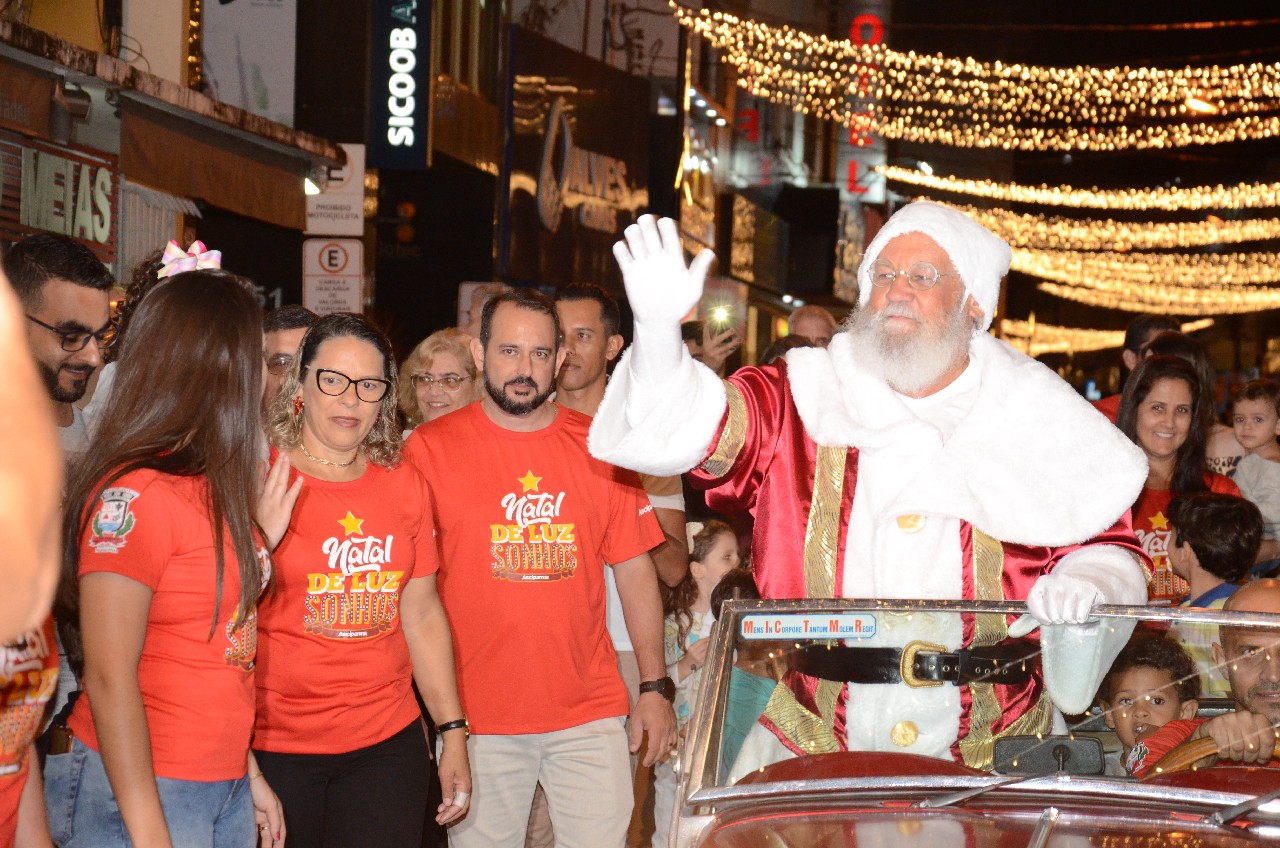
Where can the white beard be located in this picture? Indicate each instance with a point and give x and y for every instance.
(910, 362)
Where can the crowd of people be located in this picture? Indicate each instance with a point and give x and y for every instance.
(311, 593)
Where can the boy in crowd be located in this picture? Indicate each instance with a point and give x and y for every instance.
(1255, 418)
(1152, 682)
(1212, 542)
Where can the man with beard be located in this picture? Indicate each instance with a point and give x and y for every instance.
(65, 292)
(915, 457)
(527, 521)
(63, 289)
(1251, 659)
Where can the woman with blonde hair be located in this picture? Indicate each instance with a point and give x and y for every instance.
(354, 619)
(438, 377)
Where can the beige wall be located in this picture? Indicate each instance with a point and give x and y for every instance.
(157, 29)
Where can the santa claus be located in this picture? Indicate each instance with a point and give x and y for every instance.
(915, 457)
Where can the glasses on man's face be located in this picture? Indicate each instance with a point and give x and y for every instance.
(279, 363)
(920, 276)
(368, 389)
(451, 383)
(74, 341)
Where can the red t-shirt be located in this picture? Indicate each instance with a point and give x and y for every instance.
(1109, 406)
(334, 672)
(1144, 756)
(197, 691)
(527, 522)
(1151, 526)
(28, 679)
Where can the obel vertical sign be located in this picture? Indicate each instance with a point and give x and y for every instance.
(400, 102)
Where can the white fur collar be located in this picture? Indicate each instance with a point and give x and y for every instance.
(1032, 463)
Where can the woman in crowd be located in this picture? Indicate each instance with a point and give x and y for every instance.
(354, 619)
(438, 377)
(1162, 411)
(160, 529)
(1222, 451)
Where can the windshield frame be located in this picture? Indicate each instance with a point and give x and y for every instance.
(699, 786)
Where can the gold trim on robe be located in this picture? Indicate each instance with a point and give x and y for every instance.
(978, 747)
(732, 436)
(810, 732)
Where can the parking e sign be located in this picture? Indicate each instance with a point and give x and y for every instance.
(333, 275)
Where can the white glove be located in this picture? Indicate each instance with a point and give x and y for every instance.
(1062, 599)
(661, 290)
(1075, 650)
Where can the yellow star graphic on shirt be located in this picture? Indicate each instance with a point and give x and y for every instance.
(1159, 522)
(529, 481)
(351, 524)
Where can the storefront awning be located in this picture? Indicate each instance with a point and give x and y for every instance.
(183, 142)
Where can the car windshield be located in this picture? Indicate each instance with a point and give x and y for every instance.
(927, 699)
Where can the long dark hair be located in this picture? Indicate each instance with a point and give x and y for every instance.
(186, 402)
(1189, 467)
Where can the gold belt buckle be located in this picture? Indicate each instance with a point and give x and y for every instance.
(906, 665)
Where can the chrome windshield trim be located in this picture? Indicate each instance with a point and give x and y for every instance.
(1062, 790)
(698, 778)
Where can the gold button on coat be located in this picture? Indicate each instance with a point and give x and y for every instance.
(904, 734)
(910, 523)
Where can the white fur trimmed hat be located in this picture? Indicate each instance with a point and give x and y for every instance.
(980, 256)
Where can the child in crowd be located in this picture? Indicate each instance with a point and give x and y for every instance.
(713, 553)
(1152, 682)
(1255, 417)
(756, 671)
(1212, 542)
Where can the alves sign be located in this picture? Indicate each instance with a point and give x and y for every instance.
(400, 99)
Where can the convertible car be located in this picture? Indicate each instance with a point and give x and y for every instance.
(741, 788)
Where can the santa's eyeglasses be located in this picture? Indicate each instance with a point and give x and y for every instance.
(920, 276)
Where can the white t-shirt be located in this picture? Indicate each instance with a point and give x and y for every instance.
(613, 617)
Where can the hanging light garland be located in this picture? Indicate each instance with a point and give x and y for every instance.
(1040, 231)
(1036, 339)
(966, 103)
(1171, 300)
(1106, 269)
(1240, 196)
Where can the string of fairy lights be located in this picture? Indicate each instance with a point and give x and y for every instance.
(1170, 300)
(1036, 338)
(966, 103)
(1177, 199)
(1107, 263)
(1060, 233)
(1105, 260)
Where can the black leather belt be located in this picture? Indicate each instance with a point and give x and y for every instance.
(919, 664)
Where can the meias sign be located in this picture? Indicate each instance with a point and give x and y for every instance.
(64, 196)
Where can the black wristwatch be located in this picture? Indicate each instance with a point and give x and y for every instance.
(456, 724)
(664, 686)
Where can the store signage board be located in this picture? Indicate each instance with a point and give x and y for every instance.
(338, 210)
(333, 275)
(400, 84)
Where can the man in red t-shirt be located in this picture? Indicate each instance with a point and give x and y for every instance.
(1252, 661)
(527, 521)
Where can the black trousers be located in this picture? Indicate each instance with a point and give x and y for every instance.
(375, 796)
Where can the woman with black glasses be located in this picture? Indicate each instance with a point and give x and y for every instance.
(354, 617)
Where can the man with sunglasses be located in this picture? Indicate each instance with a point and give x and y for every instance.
(65, 291)
(914, 457)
